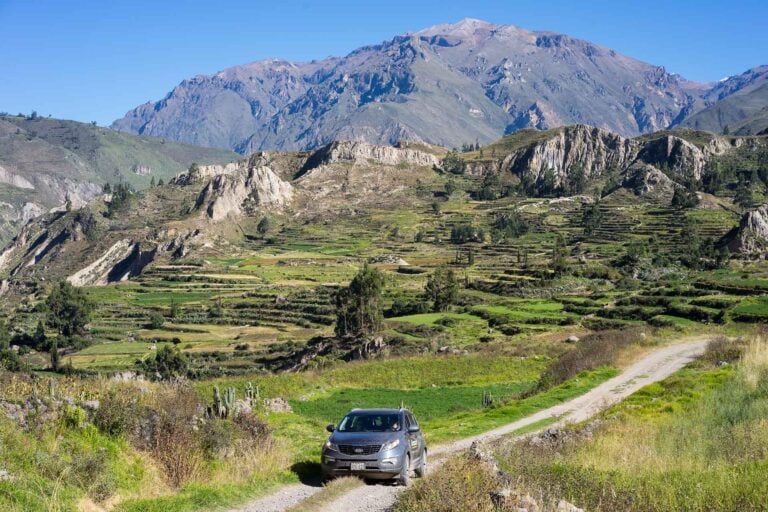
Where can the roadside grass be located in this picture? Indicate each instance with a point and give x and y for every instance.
(699, 442)
(471, 423)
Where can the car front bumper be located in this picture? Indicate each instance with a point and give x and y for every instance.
(383, 466)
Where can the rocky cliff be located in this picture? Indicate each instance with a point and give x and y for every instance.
(751, 237)
(679, 155)
(233, 194)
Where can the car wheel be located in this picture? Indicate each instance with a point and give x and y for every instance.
(405, 472)
(421, 471)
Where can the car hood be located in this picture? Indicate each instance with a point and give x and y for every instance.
(364, 437)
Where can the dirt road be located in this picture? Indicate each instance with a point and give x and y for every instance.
(651, 368)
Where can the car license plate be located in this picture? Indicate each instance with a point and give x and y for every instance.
(357, 466)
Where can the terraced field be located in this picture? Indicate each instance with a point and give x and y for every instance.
(267, 300)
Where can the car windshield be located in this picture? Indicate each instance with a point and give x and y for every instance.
(370, 422)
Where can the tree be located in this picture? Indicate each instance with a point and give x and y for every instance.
(5, 335)
(437, 207)
(68, 309)
(168, 362)
(263, 226)
(684, 198)
(463, 233)
(491, 188)
(160, 182)
(559, 256)
(450, 187)
(442, 289)
(358, 306)
(55, 356)
(156, 320)
(38, 338)
(152, 182)
(591, 217)
(577, 179)
(508, 225)
(453, 163)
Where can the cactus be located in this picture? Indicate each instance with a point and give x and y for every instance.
(229, 401)
(51, 388)
(218, 404)
(249, 393)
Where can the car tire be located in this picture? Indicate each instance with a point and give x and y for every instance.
(421, 471)
(404, 478)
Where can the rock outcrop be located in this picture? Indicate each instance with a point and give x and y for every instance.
(241, 190)
(362, 152)
(648, 182)
(751, 237)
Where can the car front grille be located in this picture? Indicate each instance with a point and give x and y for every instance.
(348, 449)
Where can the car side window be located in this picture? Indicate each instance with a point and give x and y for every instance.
(411, 419)
(407, 422)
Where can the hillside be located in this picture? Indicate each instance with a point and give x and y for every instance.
(449, 84)
(45, 161)
(738, 104)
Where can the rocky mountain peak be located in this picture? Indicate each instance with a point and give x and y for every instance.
(448, 84)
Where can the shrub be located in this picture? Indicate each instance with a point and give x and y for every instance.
(461, 484)
(593, 351)
(117, 414)
(169, 434)
(253, 426)
(156, 320)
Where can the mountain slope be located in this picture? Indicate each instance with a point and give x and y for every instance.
(449, 84)
(45, 161)
(739, 103)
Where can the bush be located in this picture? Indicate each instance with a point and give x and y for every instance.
(118, 413)
(593, 351)
(402, 307)
(461, 484)
(156, 320)
(169, 434)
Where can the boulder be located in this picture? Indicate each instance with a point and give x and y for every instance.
(750, 238)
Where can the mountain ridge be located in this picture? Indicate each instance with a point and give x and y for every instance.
(448, 84)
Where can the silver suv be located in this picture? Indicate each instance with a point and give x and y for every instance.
(375, 444)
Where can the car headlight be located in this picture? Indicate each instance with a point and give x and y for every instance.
(331, 446)
(391, 445)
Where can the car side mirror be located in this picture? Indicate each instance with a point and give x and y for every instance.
(330, 428)
(413, 429)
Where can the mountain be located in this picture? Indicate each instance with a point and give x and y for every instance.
(739, 103)
(449, 84)
(44, 162)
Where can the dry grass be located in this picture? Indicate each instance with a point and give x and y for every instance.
(460, 485)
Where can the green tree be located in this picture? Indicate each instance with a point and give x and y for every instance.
(68, 309)
(453, 163)
(577, 179)
(38, 338)
(55, 356)
(442, 289)
(152, 182)
(591, 217)
(359, 311)
(683, 198)
(559, 256)
(263, 225)
(491, 188)
(168, 362)
(156, 320)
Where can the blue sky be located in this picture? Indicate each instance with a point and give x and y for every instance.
(94, 60)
